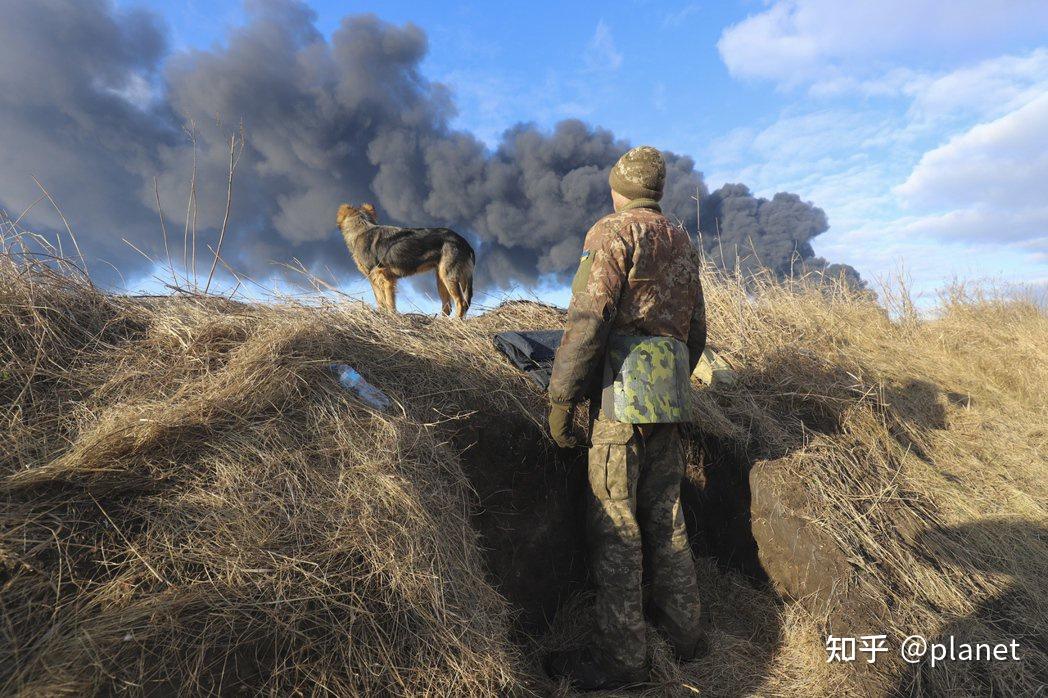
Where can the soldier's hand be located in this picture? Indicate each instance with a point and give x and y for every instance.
(561, 424)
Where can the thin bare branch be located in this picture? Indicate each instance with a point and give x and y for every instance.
(163, 230)
(234, 157)
(64, 221)
(190, 209)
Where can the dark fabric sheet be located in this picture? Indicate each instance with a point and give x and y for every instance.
(531, 352)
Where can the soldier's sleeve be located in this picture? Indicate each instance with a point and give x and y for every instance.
(697, 331)
(591, 313)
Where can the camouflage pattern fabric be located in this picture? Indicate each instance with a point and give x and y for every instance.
(639, 174)
(638, 275)
(647, 380)
(714, 370)
(635, 474)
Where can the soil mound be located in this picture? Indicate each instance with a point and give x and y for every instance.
(191, 503)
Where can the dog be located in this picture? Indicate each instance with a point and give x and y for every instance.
(386, 254)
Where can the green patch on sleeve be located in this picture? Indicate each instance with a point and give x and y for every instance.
(578, 284)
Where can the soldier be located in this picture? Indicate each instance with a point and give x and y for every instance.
(636, 329)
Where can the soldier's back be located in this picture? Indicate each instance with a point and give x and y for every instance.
(662, 286)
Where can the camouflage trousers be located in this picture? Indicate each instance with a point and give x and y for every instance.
(635, 523)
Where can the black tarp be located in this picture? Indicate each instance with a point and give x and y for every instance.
(531, 352)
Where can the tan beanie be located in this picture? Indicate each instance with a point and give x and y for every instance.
(639, 174)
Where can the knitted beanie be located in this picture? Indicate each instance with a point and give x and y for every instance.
(639, 174)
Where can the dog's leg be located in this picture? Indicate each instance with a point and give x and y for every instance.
(442, 290)
(466, 289)
(456, 294)
(380, 285)
(460, 284)
(391, 293)
(376, 288)
(455, 276)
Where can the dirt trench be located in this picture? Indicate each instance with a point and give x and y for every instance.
(531, 514)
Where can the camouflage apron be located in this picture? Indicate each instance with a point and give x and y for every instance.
(646, 380)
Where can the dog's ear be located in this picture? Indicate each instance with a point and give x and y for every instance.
(369, 211)
(344, 211)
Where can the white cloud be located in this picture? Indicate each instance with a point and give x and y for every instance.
(988, 182)
(832, 156)
(676, 18)
(1026, 227)
(1006, 158)
(491, 97)
(818, 133)
(658, 96)
(987, 89)
(136, 90)
(920, 127)
(881, 248)
(601, 53)
(796, 42)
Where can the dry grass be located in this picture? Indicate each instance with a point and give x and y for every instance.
(191, 504)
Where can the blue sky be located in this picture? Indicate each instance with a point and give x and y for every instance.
(920, 127)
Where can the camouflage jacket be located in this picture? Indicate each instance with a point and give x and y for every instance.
(639, 275)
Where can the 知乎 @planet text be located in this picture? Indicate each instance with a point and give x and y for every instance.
(917, 648)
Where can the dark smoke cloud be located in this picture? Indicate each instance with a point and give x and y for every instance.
(63, 69)
(93, 103)
(753, 234)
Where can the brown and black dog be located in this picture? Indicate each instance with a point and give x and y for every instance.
(386, 253)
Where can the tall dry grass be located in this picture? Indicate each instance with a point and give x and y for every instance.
(191, 504)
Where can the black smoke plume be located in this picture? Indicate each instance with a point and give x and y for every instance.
(94, 104)
(741, 231)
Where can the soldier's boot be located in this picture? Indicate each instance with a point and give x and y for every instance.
(688, 644)
(587, 672)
